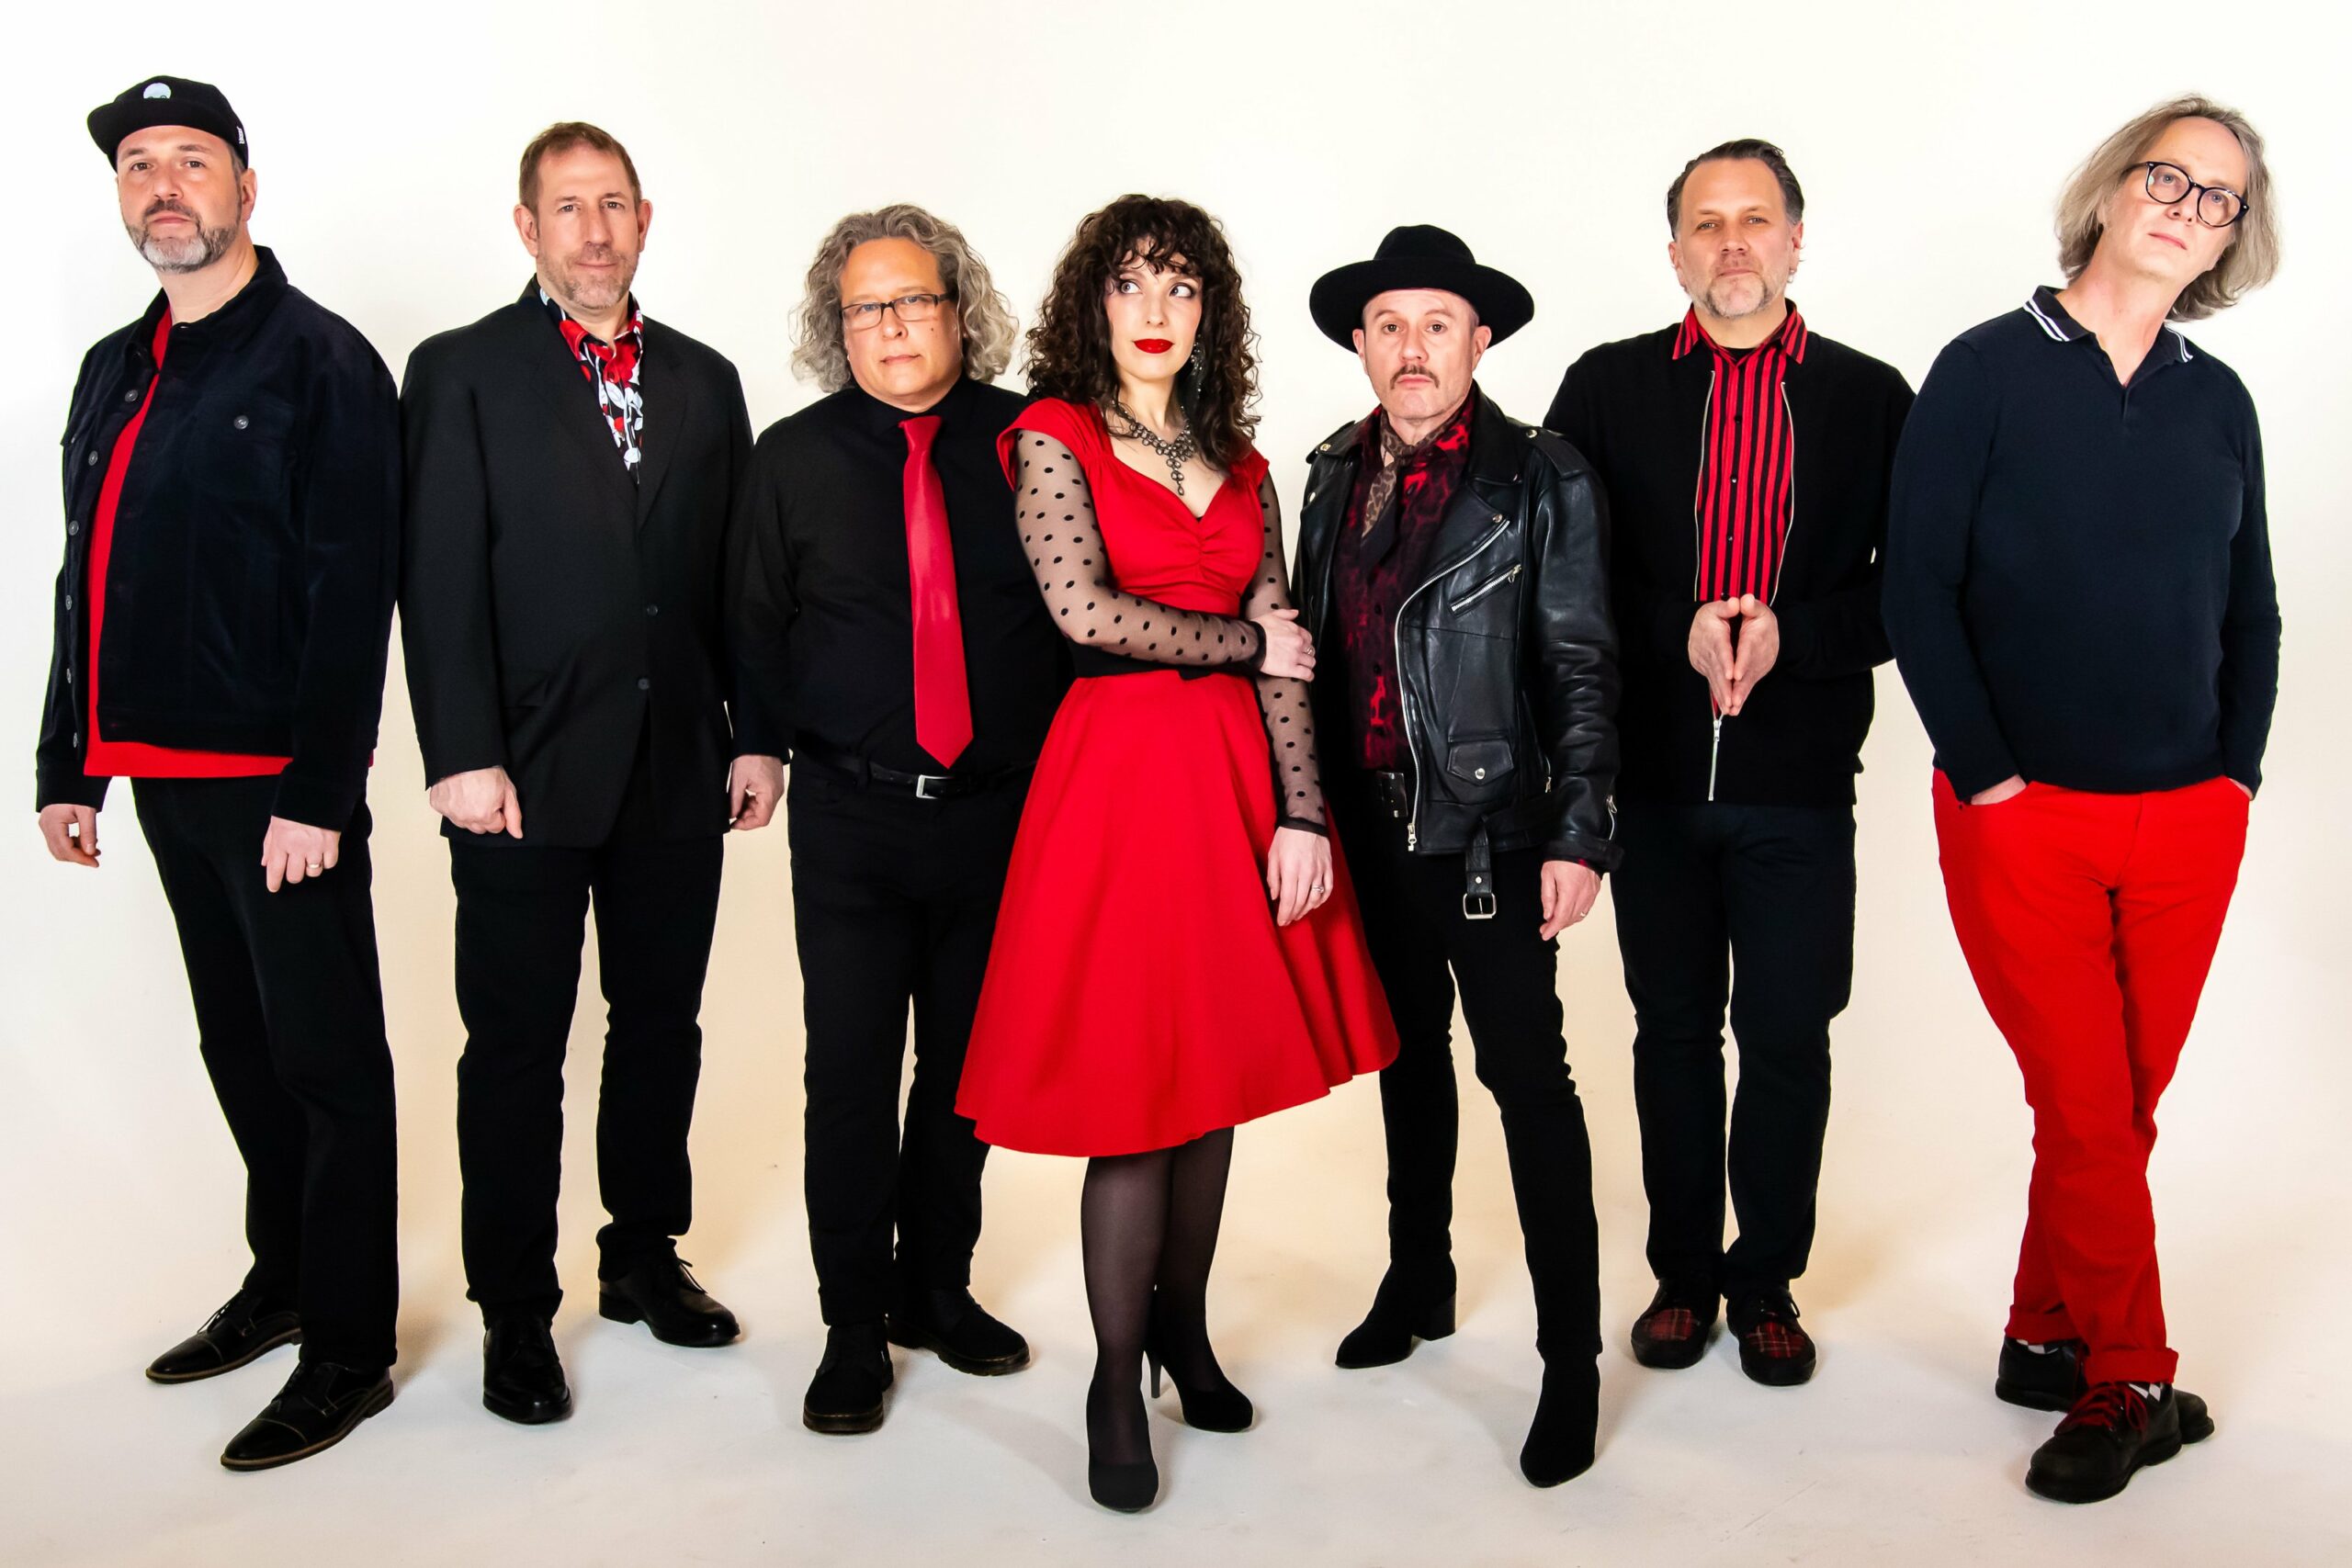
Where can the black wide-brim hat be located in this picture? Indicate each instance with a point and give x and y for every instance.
(1419, 256)
(167, 100)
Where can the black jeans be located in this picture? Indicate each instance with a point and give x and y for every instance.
(894, 903)
(290, 1013)
(1751, 906)
(1423, 945)
(522, 914)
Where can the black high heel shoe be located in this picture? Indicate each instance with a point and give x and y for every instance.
(1399, 1315)
(1213, 1407)
(1126, 1488)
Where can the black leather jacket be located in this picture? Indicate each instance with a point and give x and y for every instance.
(1505, 649)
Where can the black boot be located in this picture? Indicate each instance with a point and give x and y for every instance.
(845, 1396)
(2049, 1377)
(522, 1376)
(1567, 1424)
(960, 1330)
(1406, 1307)
(2111, 1431)
(670, 1303)
(245, 1327)
(316, 1409)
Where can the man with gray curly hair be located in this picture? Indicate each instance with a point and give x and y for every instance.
(897, 650)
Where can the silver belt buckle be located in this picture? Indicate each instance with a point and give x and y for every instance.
(1477, 905)
(923, 783)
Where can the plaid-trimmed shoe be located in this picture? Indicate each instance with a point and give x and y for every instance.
(1772, 1350)
(1671, 1333)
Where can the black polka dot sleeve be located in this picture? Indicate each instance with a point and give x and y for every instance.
(1056, 511)
(1290, 717)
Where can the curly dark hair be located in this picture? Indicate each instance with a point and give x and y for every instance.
(1070, 348)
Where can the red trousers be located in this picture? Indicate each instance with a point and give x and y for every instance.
(2089, 922)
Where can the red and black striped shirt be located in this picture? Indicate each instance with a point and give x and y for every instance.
(1748, 449)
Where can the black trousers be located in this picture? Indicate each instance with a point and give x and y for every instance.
(1424, 946)
(521, 913)
(894, 903)
(289, 1014)
(1751, 906)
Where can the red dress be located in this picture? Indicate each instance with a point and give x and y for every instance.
(1138, 993)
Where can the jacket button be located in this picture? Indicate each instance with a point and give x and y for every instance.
(132, 396)
(241, 422)
(653, 609)
(91, 461)
(68, 674)
(68, 601)
(72, 529)
(1479, 773)
(643, 685)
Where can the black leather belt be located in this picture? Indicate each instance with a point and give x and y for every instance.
(922, 786)
(1393, 792)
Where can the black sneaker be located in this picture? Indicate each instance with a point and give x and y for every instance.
(2049, 1378)
(1672, 1331)
(1772, 1350)
(2111, 1431)
(316, 1409)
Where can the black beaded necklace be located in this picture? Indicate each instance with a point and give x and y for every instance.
(1178, 452)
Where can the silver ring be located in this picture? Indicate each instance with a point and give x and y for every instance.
(314, 867)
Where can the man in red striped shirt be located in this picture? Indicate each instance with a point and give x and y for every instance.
(1746, 462)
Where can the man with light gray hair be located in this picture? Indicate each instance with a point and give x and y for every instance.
(897, 650)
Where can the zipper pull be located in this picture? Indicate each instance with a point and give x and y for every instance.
(1412, 836)
(1714, 754)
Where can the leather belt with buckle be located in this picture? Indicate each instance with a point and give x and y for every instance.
(922, 786)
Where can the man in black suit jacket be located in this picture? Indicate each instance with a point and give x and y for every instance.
(570, 469)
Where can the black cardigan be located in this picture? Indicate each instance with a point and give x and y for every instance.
(1636, 413)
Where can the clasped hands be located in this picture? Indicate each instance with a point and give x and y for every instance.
(1733, 665)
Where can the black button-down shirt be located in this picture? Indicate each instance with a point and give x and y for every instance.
(828, 623)
(2078, 579)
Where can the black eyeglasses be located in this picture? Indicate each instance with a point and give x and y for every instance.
(2217, 207)
(909, 308)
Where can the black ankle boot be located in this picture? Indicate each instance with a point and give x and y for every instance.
(1406, 1307)
(1211, 1404)
(1125, 1485)
(1567, 1426)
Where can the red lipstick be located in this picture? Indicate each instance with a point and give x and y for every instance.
(1154, 344)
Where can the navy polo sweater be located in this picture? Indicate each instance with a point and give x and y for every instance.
(2078, 583)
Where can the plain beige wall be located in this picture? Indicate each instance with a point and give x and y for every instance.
(1930, 144)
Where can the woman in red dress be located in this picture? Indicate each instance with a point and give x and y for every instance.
(1178, 950)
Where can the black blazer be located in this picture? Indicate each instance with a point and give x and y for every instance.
(553, 609)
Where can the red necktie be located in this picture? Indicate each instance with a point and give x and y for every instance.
(943, 702)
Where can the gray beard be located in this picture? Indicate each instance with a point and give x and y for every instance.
(1765, 302)
(188, 252)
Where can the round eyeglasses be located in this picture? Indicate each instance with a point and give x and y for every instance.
(2216, 207)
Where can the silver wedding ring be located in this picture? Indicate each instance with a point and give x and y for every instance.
(314, 867)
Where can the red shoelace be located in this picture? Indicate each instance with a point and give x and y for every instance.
(2113, 1406)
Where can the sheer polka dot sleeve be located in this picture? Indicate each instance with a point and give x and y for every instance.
(1055, 514)
(1290, 716)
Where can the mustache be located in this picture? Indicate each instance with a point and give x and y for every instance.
(1402, 371)
(164, 204)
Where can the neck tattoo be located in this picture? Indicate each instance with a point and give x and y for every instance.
(1178, 452)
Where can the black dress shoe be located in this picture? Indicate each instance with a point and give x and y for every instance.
(522, 1376)
(2111, 1431)
(244, 1327)
(670, 1302)
(1567, 1424)
(1406, 1307)
(845, 1396)
(1672, 1331)
(316, 1409)
(2048, 1379)
(1772, 1350)
(961, 1331)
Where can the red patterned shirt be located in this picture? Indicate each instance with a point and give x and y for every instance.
(611, 368)
(1747, 461)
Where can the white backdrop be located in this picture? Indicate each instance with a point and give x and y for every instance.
(1930, 143)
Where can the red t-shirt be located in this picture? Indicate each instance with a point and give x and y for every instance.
(136, 759)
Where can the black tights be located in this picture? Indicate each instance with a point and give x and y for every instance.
(1148, 1224)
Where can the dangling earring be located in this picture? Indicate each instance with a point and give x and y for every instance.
(1198, 363)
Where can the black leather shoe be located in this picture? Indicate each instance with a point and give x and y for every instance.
(243, 1328)
(1772, 1350)
(669, 1301)
(2111, 1431)
(1561, 1440)
(316, 1409)
(961, 1331)
(2048, 1379)
(1672, 1331)
(1405, 1308)
(845, 1396)
(522, 1376)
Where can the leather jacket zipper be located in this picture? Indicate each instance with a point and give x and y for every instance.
(1482, 591)
(1405, 687)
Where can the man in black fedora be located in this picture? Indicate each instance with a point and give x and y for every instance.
(1453, 569)
(231, 547)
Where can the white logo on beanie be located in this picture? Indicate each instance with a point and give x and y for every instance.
(157, 90)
